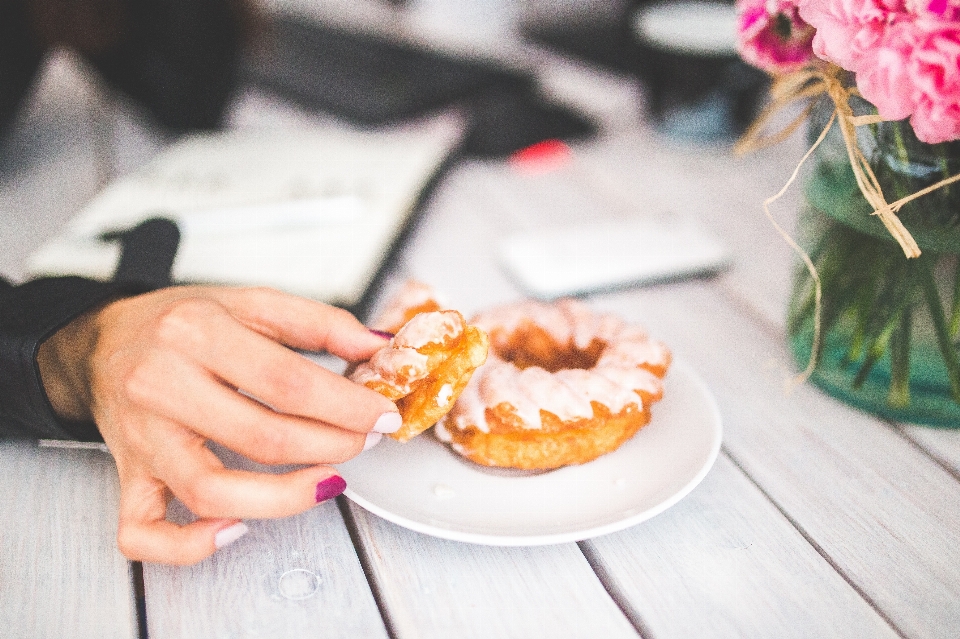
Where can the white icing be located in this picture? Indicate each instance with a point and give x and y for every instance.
(615, 381)
(585, 325)
(498, 384)
(636, 379)
(595, 387)
(443, 397)
(501, 322)
(393, 366)
(411, 295)
(634, 352)
(441, 432)
(470, 409)
(429, 328)
(546, 391)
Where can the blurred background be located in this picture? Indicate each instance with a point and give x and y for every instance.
(96, 93)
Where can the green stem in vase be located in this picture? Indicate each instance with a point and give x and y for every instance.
(880, 340)
(901, 144)
(955, 305)
(929, 285)
(862, 302)
(899, 394)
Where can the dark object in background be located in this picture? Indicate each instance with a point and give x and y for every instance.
(604, 38)
(147, 252)
(698, 88)
(510, 117)
(177, 58)
(370, 81)
(20, 57)
(690, 96)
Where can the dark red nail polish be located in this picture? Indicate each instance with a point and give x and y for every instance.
(330, 487)
(383, 334)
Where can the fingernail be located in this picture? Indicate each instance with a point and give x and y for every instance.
(383, 334)
(230, 534)
(330, 487)
(372, 440)
(388, 423)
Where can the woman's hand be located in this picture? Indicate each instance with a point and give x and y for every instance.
(164, 372)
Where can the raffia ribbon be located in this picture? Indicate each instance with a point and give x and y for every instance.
(804, 84)
(814, 80)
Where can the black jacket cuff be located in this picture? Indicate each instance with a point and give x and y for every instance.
(29, 314)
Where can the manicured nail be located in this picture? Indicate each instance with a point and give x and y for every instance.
(330, 487)
(388, 423)
(383, 334)
(230, 534)
(372, 440)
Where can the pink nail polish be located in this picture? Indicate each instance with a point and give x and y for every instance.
(372, 440)
(383, 334)
(230, 534)
(330, 487)
(388, 423)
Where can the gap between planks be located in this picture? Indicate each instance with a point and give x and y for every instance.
(366, 565)
(813, 543)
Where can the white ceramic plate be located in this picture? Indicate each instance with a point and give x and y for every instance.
(424, 486)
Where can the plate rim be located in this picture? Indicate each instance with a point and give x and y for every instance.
(486, 539)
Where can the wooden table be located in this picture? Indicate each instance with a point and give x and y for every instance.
(816, 520)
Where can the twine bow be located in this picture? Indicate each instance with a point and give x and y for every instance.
(806, 83)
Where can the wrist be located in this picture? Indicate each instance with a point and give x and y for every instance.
(63, 361)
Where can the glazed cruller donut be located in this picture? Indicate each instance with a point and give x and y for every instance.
(562, 385)
(425, 367)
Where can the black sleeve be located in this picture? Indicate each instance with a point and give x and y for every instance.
(29, 314)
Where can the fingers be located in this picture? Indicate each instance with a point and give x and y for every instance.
(303, 323)
(241, 424)
(246, 359)
(144, 535)
(195, 475)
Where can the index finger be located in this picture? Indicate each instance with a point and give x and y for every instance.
(302, 323)
(208, 334)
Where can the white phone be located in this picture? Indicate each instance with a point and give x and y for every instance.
(597, 256)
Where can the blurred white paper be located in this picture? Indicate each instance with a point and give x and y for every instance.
(310, 210)
(603, 255)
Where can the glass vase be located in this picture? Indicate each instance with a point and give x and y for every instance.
(890, 326)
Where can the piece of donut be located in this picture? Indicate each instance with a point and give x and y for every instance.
(562, 385)
(411, 298)
(425, 368)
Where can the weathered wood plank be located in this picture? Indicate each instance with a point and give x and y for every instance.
(292, 577)
(941, 443)
(726, 553)
(61, 574)
(432, 587)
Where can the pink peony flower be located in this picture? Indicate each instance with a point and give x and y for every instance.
(905, 54)
(935, 69)
(846, 30)
(884, 72)
(772, 35)
(942, 9)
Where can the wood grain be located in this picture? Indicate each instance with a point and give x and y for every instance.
(293, 577)
(943, 444)
(432, 587)
(61, 574)
(726, 553)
